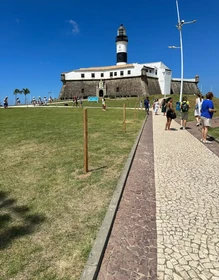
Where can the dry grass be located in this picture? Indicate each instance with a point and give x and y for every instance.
(50, 211)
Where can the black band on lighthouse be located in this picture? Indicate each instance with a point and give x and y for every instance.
(122, 57)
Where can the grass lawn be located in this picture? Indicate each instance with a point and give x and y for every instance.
(214, 132)
(130, 102)
(50, 211)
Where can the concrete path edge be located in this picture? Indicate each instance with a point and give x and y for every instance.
(93, 264)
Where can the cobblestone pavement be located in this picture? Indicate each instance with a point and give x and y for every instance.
(167, 225)
(187, 200)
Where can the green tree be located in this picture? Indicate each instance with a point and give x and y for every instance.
(16, 91)
(25, 92)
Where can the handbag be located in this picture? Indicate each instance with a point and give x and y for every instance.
(172, 115)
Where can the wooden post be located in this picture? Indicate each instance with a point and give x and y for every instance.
(85, 142)
(135, 113)
(124, 118)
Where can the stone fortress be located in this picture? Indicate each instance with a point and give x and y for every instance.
(124, 79)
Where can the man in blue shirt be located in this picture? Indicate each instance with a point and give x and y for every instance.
(207, 111)
(147, 104)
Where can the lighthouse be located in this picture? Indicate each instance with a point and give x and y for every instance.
(121, 46)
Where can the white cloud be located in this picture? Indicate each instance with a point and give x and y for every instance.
(75, 28)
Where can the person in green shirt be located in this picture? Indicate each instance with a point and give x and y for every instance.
(184, 106)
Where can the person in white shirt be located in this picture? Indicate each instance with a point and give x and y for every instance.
(197, 113)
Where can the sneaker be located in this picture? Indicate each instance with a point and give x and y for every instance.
(207, 142)
(201, 140)
(181, 127)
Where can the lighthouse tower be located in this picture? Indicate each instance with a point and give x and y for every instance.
(121, 46)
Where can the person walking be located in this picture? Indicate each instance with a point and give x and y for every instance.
(6, 102)
(156, 106)
(207, 112)
(170, 112)
(103, 104)
(147, 105)
(140, 105)
(81, 102)
(197, 113)
(163, 106)
(184, 106)
(76, 101)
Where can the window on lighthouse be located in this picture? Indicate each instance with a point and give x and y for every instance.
(121, 73)
(129, 72)
(102, 75)
(82, 75)
(92, 75)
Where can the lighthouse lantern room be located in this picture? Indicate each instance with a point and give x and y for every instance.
(121, 46)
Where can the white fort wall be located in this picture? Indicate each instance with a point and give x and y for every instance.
(154, 70)
(134, 70)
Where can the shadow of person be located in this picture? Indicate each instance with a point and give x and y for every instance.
(16, 221)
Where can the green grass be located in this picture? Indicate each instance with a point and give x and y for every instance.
(131, 102)
(214, 132)
(50, 211)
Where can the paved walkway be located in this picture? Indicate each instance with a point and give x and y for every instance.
(167, 225)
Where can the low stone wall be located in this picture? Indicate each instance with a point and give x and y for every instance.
(188, 87)
(133, 86)
(127, 86)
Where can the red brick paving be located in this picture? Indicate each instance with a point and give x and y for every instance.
(131, 252)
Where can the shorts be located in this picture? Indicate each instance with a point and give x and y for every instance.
(184, 116)
(205, 121)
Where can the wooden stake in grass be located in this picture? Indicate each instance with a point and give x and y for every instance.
(85, 142)
(124, 118)
(135, 112)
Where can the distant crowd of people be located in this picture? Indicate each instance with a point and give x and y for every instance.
(203, 112)
(40, 101)
(34, 101)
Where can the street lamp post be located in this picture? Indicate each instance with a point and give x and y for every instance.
(179, 27)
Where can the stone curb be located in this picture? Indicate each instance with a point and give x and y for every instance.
(93, 264)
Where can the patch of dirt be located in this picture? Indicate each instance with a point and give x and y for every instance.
(83, 176)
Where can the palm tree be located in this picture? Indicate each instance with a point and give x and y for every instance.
(25, 92)
(16, 91)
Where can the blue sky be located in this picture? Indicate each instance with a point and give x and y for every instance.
(42, 38)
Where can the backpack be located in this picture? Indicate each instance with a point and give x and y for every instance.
(185, 107)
